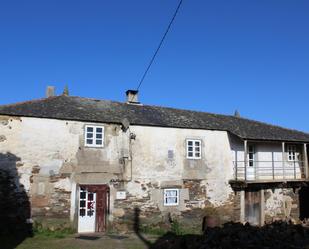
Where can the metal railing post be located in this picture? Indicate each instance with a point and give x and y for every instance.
(283, 159)
(236, 170)
(273, 165)
(306, 161)
(245, 157)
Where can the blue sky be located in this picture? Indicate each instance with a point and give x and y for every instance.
(219, 56)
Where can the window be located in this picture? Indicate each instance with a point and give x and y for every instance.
(94, 136)
(251, 155)
(171, 197)
(193, 149)
(291, 153)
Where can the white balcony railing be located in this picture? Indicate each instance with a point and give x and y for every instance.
(269, 170)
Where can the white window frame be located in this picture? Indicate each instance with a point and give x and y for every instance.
(194, 151)
(94, 127)
(292, 153)
(165, 203)
(251, 152)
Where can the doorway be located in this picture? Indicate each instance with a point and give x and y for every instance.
(251, 163)
(93, 208)
(303, 203)
(253, 207)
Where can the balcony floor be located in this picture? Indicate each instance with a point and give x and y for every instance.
(238, 185)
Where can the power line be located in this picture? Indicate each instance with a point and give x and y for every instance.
(160, 44)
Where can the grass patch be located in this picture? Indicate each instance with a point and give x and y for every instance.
(59, 233)
(153, 230)
(176, 228)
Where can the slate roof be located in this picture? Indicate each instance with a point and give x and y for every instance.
(92, 110)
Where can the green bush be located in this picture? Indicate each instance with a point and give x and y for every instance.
(176, 228)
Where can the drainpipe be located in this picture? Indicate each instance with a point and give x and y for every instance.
(131, 136)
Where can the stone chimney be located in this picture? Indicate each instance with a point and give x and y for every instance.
(237, 114)
(50, 91)
(132, 97)
(65, 91)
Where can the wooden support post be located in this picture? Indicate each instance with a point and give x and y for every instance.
(262, 211)
(283, 159)
(242, 206)
(306, 161)
(245, 157)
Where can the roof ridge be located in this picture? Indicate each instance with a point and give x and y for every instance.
(29, 101)
(102, 110)
(196, 111)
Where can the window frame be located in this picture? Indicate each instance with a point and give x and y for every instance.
(94, 139)
(177, 196)
(251, 152)
(194, 157)
(292, 152)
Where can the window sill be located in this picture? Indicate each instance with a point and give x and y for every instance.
(93, 146)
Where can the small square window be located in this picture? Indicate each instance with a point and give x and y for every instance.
(194, 149)
(171, 197)
(292, 153)
(94, 136)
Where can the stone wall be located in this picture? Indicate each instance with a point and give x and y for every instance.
(153, 214)
(281, 204)
(51, 161)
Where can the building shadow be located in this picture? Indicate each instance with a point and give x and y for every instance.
(15, 223)
(168, 240)
(276, 235)
(136, 228)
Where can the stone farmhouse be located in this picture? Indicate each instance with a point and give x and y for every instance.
(90, 162)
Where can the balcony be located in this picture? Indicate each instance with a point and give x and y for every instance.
(267, 171)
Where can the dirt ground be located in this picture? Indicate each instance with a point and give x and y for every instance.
(82, 242)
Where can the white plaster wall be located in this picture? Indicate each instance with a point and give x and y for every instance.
(52, 144)
(49, 144)
(264, 154)
(44, 143)
(151, 163)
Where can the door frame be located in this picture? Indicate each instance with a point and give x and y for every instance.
(102, 204)
(251, 162)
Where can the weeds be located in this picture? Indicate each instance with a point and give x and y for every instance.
(153, 230)
(58, 233)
